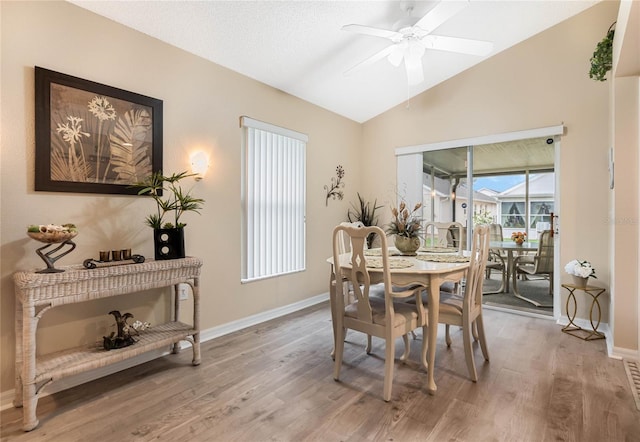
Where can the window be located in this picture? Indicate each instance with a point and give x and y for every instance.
(273, 199)
(513, 214)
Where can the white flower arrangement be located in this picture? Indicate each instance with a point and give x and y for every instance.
(579, 268)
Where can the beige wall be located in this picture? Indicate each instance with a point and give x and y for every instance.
(541, 82)
(202, 103)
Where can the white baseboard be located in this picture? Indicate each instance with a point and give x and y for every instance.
(6, 400)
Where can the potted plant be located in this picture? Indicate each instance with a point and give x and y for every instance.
(580, 271)
(171, 203)
(406, 226)
(366, 214)
(602, 59)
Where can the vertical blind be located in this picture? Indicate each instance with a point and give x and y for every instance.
(273, 194)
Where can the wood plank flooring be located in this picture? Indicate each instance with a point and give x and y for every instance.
(273, 382)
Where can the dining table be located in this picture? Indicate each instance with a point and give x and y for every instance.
(429, 267)
(511, 248)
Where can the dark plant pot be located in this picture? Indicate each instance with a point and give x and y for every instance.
(168, 243)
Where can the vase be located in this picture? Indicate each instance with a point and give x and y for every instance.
(168, 243)
(518, 241)
(406, 245)
(579, 281)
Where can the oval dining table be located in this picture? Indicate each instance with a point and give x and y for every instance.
(428, 273)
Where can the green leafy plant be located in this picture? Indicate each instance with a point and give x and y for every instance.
(175, 200)
(602, 59)
(364, 212)
(482, 217)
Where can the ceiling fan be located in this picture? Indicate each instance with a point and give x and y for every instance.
(409, 42)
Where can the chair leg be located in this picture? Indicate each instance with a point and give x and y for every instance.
(447, 336)
(413, 335)
(468, 352)
(483, 342)
(388, 368)
(339, 350)
(407, 348)
(474, 331)
(368, 349)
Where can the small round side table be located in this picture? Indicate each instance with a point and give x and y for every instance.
(572, 328)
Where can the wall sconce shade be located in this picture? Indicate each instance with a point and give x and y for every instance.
(199, 164)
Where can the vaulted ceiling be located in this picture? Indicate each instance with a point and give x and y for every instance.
(298, 46)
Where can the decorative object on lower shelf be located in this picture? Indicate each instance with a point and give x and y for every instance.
(53, 234)
(123, 337)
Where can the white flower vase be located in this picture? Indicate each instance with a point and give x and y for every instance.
(579, 281)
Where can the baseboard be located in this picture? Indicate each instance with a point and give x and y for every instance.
(6, 400)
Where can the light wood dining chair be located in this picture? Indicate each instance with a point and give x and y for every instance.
(540, 264)
(497, 258)
(444, 235)
(465, 310)
(389, 317)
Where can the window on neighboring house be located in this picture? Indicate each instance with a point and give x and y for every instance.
(273, 200)
(513, 214)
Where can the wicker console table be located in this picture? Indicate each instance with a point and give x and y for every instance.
(38, 292)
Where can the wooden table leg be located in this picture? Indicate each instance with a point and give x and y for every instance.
(429, 344)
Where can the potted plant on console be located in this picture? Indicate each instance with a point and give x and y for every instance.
(171, 202)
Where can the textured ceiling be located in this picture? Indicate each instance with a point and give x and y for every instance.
(299, 47)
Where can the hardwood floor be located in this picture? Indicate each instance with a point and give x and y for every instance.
(274, 382)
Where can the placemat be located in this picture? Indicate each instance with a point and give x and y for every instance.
(438, 249)
(378, 252)
(394, 263)
(442, 258)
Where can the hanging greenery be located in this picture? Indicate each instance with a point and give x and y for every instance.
(601, 61)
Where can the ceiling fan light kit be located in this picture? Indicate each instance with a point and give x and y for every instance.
(410, 42)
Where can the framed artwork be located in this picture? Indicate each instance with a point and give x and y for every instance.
(93, 138)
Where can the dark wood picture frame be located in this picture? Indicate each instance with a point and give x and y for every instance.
(93, 138)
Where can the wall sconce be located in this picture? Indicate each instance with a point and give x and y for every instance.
(199, 164)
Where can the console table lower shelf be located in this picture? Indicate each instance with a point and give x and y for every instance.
(57, 365)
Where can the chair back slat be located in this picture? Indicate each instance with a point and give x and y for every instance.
(358, 275)
(477, 265)
(544, 257)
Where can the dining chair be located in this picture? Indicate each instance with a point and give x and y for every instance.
(344, 246)
(389, 317)
(465, 309)
(497, 258)
(444, 235)
(540, 264)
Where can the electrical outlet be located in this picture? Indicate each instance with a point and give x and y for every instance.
(182, 293)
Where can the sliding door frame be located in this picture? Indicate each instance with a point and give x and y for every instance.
(407, 156)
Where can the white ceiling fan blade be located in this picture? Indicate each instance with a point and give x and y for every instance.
(371, 60)
(442, 12)
(376, 32)
(396, 56)
(413, 64)
(455, 44)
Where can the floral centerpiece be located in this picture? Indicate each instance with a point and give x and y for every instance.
(406, 226)
(518, 237)
(581, 271)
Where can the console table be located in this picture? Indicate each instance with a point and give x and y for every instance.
(573, 329)
(38, 292)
